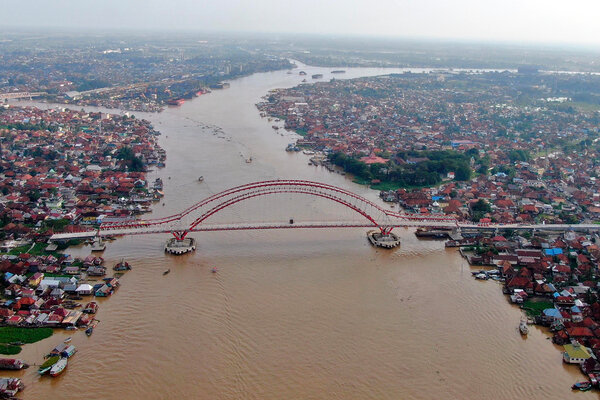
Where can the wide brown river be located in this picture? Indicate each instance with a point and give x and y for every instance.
(293, 314)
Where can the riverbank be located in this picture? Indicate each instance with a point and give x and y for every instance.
(554, 279)
(311, 301)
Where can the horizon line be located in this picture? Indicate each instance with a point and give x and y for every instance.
(566, 45)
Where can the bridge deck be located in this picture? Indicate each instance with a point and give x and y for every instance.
(318, 225)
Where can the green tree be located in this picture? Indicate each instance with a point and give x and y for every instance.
(462, 173)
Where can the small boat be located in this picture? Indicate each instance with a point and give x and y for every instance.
(12, 364)
(200, 178)
(175, 102)
(89, 330)
(523, 328)
(214, 270)
(16, 343)
(9, 387)
(48, 364)
(67, 340)
(68, 352)
(59, 367)
(122, 266)
(482, 276)
(71, 328)
(90, 308)
(583, 386)
(166, 272)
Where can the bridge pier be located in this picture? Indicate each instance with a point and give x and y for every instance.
(456, 234)
(180, 245)
(387, 240)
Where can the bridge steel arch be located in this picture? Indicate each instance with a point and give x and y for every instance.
(375, 214)
(193, 218)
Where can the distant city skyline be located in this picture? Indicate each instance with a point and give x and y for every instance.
(524, 21)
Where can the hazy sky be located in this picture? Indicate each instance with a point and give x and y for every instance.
(549, 21)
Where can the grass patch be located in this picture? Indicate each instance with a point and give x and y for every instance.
(385, 186)
(9, 349)
(361, 181)
(535, 308)
(36, 250)
(10, 334)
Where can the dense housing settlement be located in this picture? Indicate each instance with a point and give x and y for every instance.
(499, 146)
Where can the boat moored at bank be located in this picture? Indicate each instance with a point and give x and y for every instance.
(48, 364)
(12, 364)
(59, 367)
(9, 387)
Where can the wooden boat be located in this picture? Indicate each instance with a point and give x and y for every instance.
(122, 266)
(90, 308)
(48, 364)
(12, 364)
(68, 352)
(67, 340)
(9, 387)
(89, 330)
(583, 386)
(59, 367)
(167, 271)
(523, 328)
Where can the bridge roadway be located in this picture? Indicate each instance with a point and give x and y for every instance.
(20, 95)
(154, 229)
(195, 218)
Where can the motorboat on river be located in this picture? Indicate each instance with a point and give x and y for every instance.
(523, 327)
(583, 386)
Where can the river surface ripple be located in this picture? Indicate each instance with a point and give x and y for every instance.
(295, 314)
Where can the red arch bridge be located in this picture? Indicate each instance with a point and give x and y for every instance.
(194, 218)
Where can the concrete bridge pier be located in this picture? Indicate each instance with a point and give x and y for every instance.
(180, 244)
(456, 234)
(387, 240)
